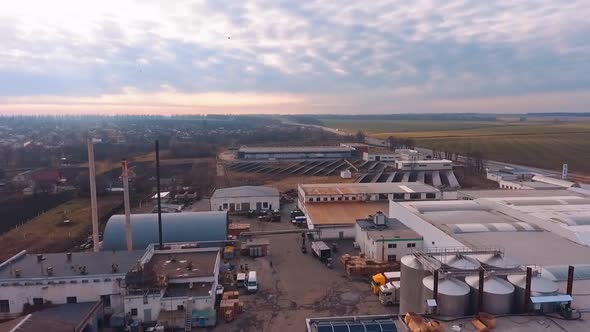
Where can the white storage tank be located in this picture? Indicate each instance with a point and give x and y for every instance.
(539, 287)
(453, 296)
(412, 273)
(498, 294)
(462, 262)
(499, 261)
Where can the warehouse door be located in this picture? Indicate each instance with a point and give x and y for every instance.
(258, 206)
(246, 207)
(232, 207)
(147, 315)
(341, 235)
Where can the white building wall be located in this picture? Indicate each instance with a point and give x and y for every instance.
(424, 165)
(57, 293)
(433, 237)
(146, 305)
(335, 232)
(217, 203)
(379, 250)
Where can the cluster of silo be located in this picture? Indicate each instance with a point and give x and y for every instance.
(459, 296)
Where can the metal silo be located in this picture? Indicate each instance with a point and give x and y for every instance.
(461, 262)
(411, 287)
(499, 261)
(453, 296)
(498, 294)
(539, 287)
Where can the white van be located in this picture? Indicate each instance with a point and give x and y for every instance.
(251, 283)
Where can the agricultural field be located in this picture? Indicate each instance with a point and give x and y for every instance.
(386, 126)
(540, 143)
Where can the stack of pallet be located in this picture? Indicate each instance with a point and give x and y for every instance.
(235, 229)
(230, 305)
(361, 266)
(417, 323)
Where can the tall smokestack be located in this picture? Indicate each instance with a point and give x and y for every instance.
(125, 177)
(93, 201)
(158, 194)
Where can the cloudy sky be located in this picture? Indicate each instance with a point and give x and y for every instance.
(298, 56)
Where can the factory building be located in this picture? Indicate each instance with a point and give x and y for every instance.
(146, 285)
(364, 192)
(385, 157)
(385, 239)
(245, 198)
(295, 152)
(176, 227)
(424, 165)
(502, 235)
(334, 208)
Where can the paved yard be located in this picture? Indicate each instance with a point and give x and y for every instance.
(298, 286)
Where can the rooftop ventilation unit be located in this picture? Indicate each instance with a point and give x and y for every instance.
(379, 219)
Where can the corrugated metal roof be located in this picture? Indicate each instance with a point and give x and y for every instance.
(245, 191)
(365, 188)
(294, 149)
(176, 227)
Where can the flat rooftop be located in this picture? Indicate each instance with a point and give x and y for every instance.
(289, 149)
(183, 264)
(365, 188)
(477, 224)
(516, 193)
(95, 263)
(345, 213)
(65, 317)
(393, 228)
(198, 289)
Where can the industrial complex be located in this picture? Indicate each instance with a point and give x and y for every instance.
(352, 252)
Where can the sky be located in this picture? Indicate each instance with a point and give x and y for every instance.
(299, 56)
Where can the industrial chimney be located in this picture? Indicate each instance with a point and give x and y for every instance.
(125, 178)
(93, 200)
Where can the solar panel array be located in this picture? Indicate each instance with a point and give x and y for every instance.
(384, 325)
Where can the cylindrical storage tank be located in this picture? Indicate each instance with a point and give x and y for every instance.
(453, 296)
(539, 287)
(411, 287)
(498, 294)
(499, 261)
(462, 262)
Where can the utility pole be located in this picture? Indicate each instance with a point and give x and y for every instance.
(125, 178)
(93, 200)
(158, 194)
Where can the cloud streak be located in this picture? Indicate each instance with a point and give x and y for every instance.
(370, 55)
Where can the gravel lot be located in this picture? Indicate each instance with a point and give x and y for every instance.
(298, 286)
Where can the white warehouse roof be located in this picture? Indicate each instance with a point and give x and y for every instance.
(290, 149)
(366, 188)
(245, 191)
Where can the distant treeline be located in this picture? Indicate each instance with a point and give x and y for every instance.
(310, 120)
(421, 116)
(558, 114)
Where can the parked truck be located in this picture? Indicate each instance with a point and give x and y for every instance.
(389, 293)
(381, 279)
(322, 251)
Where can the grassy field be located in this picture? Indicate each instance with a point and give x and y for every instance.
(48, 232)
(386, 126)
(540, 144)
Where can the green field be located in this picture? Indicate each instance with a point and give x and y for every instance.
(540, 144)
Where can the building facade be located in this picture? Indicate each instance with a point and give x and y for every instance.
(245, 198)
(294, 152)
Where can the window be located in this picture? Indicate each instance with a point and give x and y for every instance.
(325, 199)
(37, 301)
(311, 199)
(392, 245)
(265, 205)
(354, 198)
(391, 258)
(398, 196)
(332, 198)
(238, 207)
(106, 300)
(339, 198)
(430, 195)
(71, 299)
(133, 312)
(411, 245)
(346, 198)
(317, 199)
(415, 196)
(225, 206)
(4, 306)
(180, 307)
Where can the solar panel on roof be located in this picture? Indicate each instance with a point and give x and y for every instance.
(356, 326)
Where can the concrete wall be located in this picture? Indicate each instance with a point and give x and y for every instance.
(379, 249)
(217, 203)
(58, 292)
(420, 165)
(433, 237)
